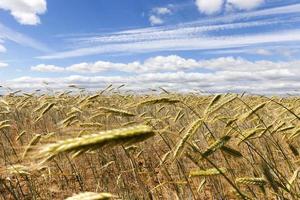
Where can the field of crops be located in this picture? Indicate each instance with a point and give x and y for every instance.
(111, 145)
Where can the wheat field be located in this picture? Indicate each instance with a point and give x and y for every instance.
(114, 145)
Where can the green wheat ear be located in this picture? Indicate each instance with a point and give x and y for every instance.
(251, 181)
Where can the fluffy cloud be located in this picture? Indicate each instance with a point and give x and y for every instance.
(209, 7)
(97, 67)
(175, 73)
(154, 64)
(155, 20)
(46, 68)
(173, 63)
(2, 49)
(272, 81)
(245, 4)
(2, 65)
(156, 16)
(215, 6)
(162, 11)
(25, 11)
(165, 63)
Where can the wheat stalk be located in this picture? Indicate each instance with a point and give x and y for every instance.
(207, 172)
(91, 196)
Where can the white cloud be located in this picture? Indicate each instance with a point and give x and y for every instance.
(2, 48)
(96, 67)
(195, 35)
(2, 65)
(281, 50)
(25, 11)
(216, 6)
(209, 7)
(185, 43)
(263, 52)
(156, 15)
(11, 35)
(46, 68)
(223, 74)
(154, 64)
(190, 30)
(231, 64)
(162, 11)
(272, 81)
(167, 65)
(245, 4)
(155, 20)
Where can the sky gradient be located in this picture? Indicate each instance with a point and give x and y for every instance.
(181, 45)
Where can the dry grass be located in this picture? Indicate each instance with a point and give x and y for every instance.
(167, 146)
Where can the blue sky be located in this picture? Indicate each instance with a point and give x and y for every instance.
(191, 45)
